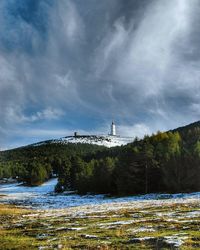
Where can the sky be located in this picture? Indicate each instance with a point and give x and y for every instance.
(74, 65)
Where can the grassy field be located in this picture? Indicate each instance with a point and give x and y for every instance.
(162, 225)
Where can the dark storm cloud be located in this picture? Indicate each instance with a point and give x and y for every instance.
(79, 64)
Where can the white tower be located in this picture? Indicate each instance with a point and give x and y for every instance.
(113, 129)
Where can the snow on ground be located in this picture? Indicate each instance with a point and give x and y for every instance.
(43, 197)
(101, 140)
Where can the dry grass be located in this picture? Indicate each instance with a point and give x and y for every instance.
(124, 228)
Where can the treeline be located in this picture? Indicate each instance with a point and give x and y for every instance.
(164, 162)
(35, 164)
(31, 173)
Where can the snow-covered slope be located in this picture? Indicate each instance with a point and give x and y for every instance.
(43, 197)
(101, 140)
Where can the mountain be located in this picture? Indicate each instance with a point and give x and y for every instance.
(101, 140)
(186, 128)
(190, 134)
(163, 162)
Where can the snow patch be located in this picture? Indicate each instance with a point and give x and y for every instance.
(142, 229)
(175, 240)
(116, 223)
(100, 140)
(88, 236)
(43, 197)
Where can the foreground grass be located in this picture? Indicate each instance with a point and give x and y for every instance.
(166, 226)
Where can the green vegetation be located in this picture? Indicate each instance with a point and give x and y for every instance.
(142, 226)
(35, 164)
(164, 162)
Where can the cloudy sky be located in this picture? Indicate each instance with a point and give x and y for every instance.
(69, 65)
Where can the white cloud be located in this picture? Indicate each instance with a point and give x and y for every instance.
(147, 59)
(134, 61)
(47, 114)
(66, 27)
(136, 130)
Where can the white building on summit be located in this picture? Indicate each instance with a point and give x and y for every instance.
(113, 129)
(113, 139)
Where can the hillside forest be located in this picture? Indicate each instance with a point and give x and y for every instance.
(163, 162)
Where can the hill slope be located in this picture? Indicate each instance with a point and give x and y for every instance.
(101, 140)
(165, 162)
(186, 128)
